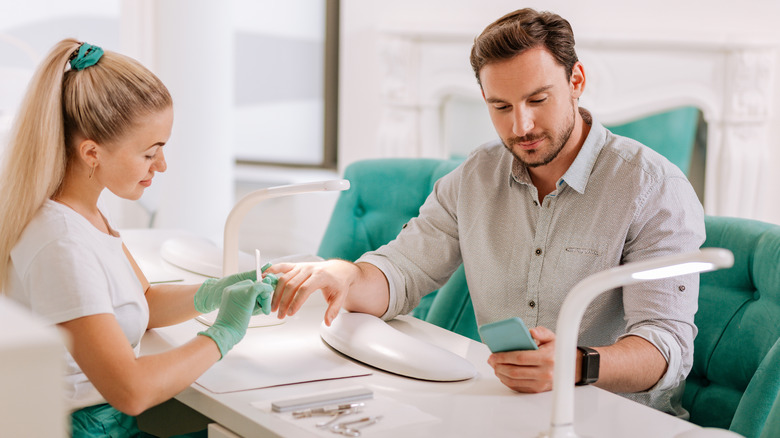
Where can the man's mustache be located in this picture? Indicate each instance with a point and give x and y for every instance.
(524, 139)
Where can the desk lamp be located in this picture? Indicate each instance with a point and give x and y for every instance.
(242, 207)
(191, 253)
(580, 296)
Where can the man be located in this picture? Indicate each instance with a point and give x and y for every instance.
(557, 199)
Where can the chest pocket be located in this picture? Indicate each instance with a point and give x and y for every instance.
(579, 258)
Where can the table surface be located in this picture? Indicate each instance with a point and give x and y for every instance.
(481, 406)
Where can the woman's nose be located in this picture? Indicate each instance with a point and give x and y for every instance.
(160, 165)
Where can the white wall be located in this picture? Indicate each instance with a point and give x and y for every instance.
(362, 20)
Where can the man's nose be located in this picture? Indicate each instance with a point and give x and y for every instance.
(523, 122)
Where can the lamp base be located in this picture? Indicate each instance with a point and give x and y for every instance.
(566, 431)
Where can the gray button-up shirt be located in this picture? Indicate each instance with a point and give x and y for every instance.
(618, 202)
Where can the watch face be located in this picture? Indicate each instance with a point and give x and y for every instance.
(589, 367)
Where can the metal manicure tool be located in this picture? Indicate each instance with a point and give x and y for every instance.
(352, 428)
(327, 424)
(327, 410)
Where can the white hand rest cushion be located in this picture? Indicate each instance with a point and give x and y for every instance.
(370, 340)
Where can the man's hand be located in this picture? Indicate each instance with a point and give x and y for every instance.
(297, 281)
(529, 370)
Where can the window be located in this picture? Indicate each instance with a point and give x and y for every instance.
(285, 83)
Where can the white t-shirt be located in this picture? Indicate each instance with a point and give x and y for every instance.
(63, 268)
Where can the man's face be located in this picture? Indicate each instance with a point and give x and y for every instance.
(532, 104)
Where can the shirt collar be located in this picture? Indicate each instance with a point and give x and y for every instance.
(576, 176)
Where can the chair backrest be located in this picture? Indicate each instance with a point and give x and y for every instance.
(384, 195)
(671, 133)
(735, 377)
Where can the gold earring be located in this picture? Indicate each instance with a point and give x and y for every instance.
(91, 171)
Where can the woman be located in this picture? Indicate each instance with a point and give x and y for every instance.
(94, 120)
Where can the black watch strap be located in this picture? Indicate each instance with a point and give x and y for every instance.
(589, 368)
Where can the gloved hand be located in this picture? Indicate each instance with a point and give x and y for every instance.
(264, 299)
(235, 310)
(209, 294)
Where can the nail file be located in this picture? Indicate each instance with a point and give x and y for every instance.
(258, 268)
(322, 399)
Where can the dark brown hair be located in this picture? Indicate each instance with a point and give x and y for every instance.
(519, 31)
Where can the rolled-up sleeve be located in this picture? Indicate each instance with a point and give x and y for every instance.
(671, 221)
(395, 281)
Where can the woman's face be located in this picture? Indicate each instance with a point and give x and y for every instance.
(127, 166)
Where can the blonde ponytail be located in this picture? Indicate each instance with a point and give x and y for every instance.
(100, 102)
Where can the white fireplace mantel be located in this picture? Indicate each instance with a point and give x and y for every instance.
(627, 78)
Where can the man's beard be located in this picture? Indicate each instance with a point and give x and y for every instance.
(557, 142)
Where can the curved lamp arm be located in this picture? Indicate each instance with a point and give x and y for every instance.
(573, 308)
(242, 207)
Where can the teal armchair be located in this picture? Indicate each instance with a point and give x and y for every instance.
(735, 378)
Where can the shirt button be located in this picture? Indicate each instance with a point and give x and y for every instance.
(532, 304)
(681, 288)
(536, 203)
(538, 251)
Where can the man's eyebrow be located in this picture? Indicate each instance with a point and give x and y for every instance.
(539, 90)
(494, 100)
(533, 93)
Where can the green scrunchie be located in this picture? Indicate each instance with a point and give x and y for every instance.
(87, 57)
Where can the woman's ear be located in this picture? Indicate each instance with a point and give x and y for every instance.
(89, 152)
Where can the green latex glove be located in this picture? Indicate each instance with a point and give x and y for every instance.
(264, 299)
(235, 310)
(209, 294)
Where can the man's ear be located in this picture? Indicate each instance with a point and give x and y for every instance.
(89, 152)
(577, 80)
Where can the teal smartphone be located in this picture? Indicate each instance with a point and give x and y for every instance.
(507, 335)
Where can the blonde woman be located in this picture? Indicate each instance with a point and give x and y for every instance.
(94, 120)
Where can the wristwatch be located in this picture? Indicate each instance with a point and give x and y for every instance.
(589, 369)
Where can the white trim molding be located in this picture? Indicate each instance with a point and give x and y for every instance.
(731, 82)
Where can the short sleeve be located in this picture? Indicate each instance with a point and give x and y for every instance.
(65, 281)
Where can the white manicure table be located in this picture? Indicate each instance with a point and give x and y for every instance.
(477, 407)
